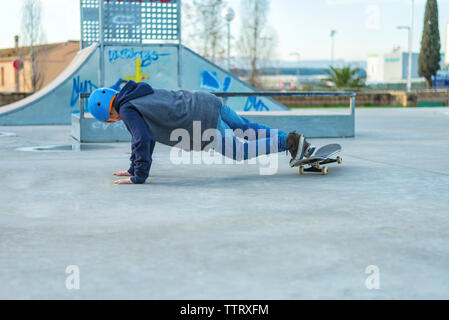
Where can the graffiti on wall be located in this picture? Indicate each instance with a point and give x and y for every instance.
(142, 58)
(255, 104)
(80, 87)
(209, 81)
(138, 76)
(147, 57)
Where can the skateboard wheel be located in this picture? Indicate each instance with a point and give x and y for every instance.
(339, 160)
(301, 170)
(325, 171)
(317, 165)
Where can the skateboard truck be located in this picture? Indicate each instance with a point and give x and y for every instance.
(323, 156)
(317, 167)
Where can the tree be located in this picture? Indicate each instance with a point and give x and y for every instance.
(345, 77)
(257, 39)
(207, 29)
(33, 35)
(429, 57)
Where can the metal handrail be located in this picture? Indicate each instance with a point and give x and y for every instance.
(287, 94)
(274, 94)
(349, 94)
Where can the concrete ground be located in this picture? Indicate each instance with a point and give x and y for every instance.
(225, 231)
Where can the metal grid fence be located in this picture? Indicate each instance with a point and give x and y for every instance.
(129, 21)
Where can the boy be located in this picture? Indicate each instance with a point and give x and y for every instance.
(151, 115)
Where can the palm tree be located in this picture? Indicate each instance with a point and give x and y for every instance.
(345, 77)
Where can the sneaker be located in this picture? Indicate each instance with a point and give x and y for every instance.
(298, 147)
(309, 152)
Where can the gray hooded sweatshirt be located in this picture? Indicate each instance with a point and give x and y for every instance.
(165, 111)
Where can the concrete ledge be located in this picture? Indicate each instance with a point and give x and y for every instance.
(88, 129)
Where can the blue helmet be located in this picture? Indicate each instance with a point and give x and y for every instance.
(100, 103)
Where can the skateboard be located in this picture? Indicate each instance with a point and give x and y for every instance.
(324, 155)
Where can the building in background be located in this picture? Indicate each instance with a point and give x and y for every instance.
(393, 68)
(52, 60)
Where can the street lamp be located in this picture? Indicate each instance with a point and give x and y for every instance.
(409, 75)
(229, 15)
(298, 58)
(410, 44)
(333, 33)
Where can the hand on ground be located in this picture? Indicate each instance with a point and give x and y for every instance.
(123, 181)
(122, 174)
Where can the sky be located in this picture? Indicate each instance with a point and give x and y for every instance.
(303, 26)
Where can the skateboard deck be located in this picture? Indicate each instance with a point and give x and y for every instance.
(324, 155)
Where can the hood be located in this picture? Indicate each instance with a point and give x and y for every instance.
(130, 92)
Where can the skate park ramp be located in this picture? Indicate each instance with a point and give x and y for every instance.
(54, 103)
(159, 65)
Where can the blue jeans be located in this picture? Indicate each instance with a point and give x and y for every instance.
(240, 139)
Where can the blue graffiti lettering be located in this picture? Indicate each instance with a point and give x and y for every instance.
(146, 56)
(209, 81)
(253, 103)
(227, 84)
(79, 87)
